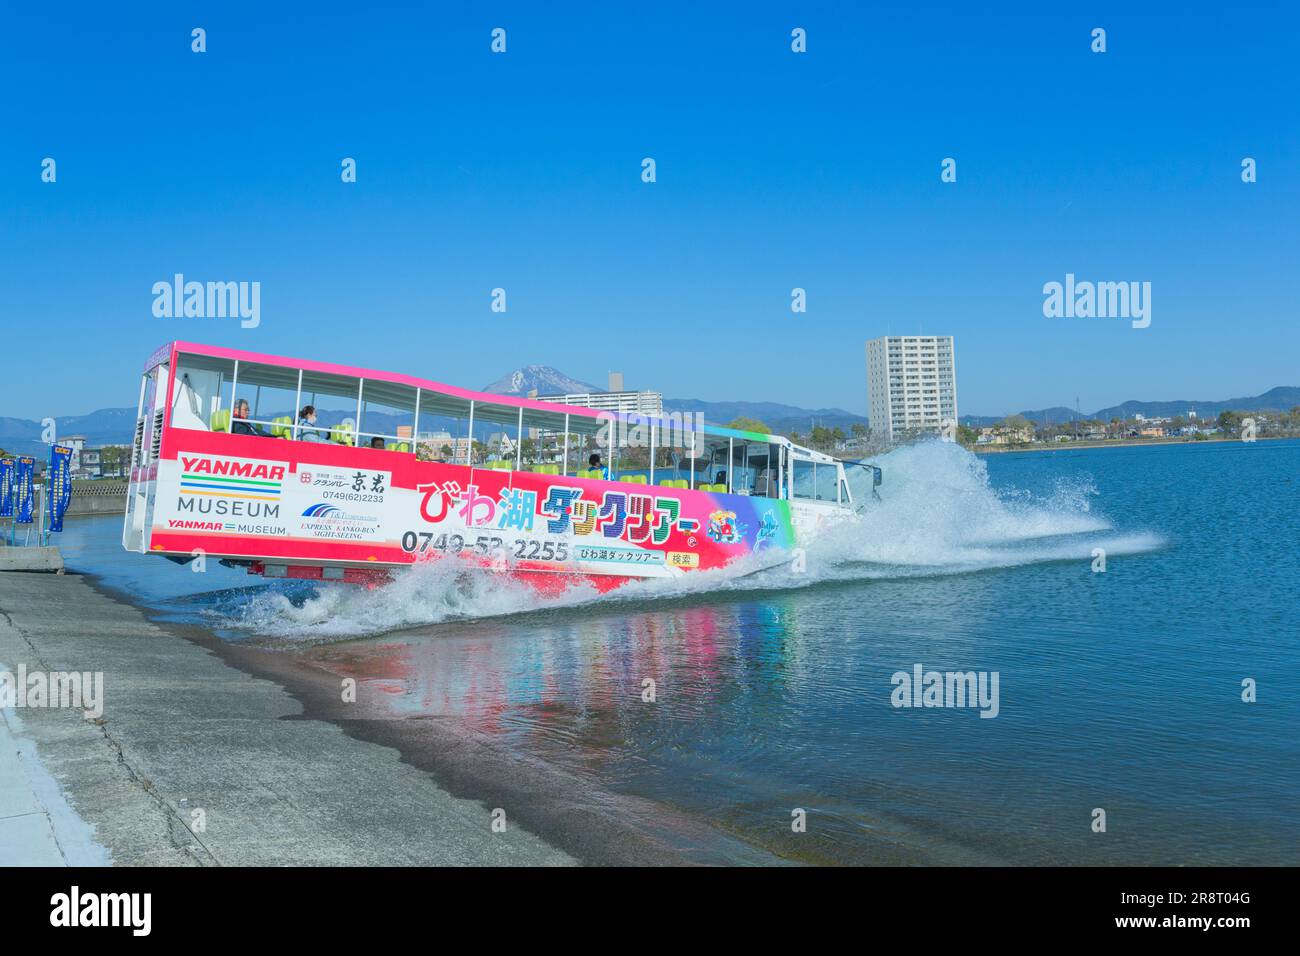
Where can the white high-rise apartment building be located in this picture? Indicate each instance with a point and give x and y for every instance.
(911, 383)
(614, 400)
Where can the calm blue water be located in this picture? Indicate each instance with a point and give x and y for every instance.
(1118, 690)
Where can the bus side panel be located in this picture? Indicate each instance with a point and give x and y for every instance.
(146, 448)
(312, 503)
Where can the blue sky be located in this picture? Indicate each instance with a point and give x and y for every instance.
(775, 170)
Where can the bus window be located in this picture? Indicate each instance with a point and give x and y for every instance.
(387, 413)
(802, 481)
(335, 399)
(496, 434)
(630, 438)
(750, 471)
(197, 391)
(583, 430)
(716, 453)
(543, 441)
(271, 392)
(826, 481)
(444, 428)
(763, 466)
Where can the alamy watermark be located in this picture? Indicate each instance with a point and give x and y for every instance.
(130, 910)
(631, 430)
(211, 300)
(1101, 300)
(922, 688)
(77, 690)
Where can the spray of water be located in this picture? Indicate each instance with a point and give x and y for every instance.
(938, 514)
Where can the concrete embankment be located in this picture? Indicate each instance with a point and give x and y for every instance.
(196, 762)
(30, 558)
(97, 498)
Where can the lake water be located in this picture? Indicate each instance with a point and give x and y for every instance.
(1119, 690)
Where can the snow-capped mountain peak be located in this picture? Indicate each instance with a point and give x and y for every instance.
(544, 378)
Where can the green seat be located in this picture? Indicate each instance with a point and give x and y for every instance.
(400, 446)
(282, 427)
(633, 479)
(551, 469)
(220, 420)
(341, 434)
(593, 473)
(499, 464)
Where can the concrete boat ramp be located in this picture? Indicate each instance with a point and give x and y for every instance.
(194, 762)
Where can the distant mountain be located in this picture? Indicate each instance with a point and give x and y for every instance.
(543, 378)
(1280, 399)
(107, 426)
(782, 419)
(116, 426)
(1041, 416)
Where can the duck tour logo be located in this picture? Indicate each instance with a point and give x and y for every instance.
(220, 493)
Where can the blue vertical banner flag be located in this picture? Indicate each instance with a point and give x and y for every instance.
(58, 484)
(6, 487)
(24, 492)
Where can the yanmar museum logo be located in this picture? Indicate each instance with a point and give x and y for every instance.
(217, 492)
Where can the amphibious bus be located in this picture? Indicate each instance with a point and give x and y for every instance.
(394, 470)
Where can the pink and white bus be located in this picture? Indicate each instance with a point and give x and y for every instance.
(395, 470)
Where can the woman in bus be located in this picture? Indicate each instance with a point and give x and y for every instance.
(307, 425)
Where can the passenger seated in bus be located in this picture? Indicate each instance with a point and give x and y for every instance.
(239, 424)
(307, 425)
(593, 464)
(720, 479)
(376, 442)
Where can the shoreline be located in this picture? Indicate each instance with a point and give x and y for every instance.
(1118, 443)
(441, 792)
(569, 812)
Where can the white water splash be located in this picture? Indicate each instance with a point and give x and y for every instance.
(938, 514)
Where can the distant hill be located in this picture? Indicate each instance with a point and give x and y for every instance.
(1049, 416)
(1280, 399)
(780, 418)
(107, 426)
(116, 426)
